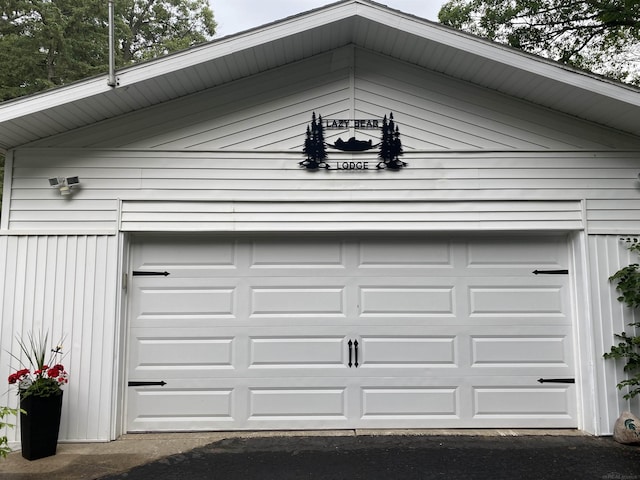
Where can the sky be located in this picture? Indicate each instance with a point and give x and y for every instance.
(235, 16)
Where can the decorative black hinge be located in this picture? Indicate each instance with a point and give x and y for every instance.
(551, 272)
(556, 380)
(161, 383)
(143, 273)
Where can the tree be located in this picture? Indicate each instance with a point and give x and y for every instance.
(151, 28)
(602, 36)
(390, 145)
(45, 43)
(315, 147)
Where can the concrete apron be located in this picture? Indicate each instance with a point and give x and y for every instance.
(83, 461)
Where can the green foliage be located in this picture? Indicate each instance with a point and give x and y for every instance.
(45, 43)
(4, 442)
(629, 349)
(151, 28)
(628, 284)
(43, 376)
(598, 35)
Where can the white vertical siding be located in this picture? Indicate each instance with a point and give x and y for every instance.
(65, 285)
(607, 255)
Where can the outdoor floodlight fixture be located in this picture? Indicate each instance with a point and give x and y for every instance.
(64, 184)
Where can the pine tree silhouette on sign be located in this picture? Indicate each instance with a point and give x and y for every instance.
(390, 146)
(314, 146)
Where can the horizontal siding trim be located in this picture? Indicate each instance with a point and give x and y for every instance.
(339, 207)
(502, 226)
(350, 216)
(605, 216)
(59, 231)
(31, 177)
(605, 228)
(144, 158)
(607, 181)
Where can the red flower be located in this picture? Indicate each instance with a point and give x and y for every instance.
(55, 371)
(19, 375)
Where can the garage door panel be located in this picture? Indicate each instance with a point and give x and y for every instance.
(517, 252)
(297, 352)
(516, 300)
(299, 402)
(521, 350)
(527, 401)
(296, 402)
(172, 352)
(416, 403)
(260, 333)
(191, 302)
(406, 300)
(196, 258)
(206, 301)
(165, 409)
(292, 253)
(312, 300)
(404, 254)
(414, 351)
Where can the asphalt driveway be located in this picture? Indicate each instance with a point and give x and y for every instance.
(399, 457)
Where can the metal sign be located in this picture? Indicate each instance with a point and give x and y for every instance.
(389, 147)
(358, 124)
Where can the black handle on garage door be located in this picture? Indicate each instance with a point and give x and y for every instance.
(550, 272)
(556, 380)
(161, 383)
(355, 345)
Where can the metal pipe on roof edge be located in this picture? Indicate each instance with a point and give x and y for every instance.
(112, 81)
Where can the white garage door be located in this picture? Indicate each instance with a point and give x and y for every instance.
(317, 331)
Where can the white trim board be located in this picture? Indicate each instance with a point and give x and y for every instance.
(171, 216)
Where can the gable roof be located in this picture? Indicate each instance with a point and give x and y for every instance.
(363, 23)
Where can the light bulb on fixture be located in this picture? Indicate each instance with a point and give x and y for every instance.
(64, 184)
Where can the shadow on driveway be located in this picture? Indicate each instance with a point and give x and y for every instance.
(399, 457)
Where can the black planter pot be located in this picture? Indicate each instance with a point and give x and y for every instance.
(40, 425)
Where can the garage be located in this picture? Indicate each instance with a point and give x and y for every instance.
(329, 331)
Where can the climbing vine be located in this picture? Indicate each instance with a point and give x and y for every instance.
(628, 348)
(4, 442)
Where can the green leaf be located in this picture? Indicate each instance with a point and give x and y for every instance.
(601, 36)
(46, 43)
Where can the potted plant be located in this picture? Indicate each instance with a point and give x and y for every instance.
(40, 390)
